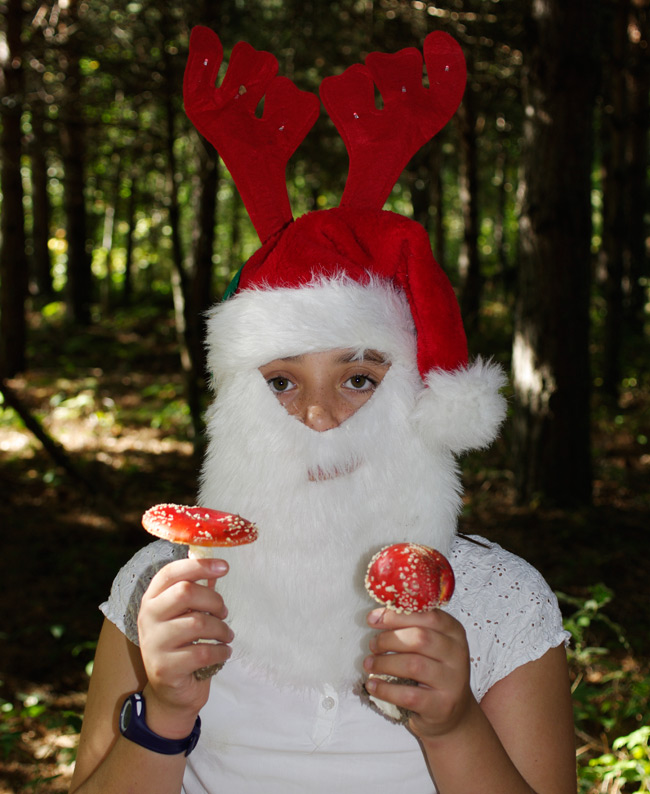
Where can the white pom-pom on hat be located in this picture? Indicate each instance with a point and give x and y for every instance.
(462, 409)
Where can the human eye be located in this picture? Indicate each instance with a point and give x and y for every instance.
(280, 384)
(361, 382)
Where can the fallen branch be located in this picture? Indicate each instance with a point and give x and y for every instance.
(58, 452)
(54, 449)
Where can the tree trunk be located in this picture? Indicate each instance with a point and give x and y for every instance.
(180, 280)
(437, 205)
(73, 145)
(108, 232)
(551, 342)
(41, 259)
(127, 287)
(637, 273)
(201, 291)
(418, 178)
(615, 216)
(507, 273)
(469, 261)
(13, 260)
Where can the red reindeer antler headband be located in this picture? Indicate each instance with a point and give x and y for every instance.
(379, 142)
(255, 150)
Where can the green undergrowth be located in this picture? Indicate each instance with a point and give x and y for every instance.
(611, 698)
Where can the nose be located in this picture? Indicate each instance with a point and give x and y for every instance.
(319, 416)
(318, 407)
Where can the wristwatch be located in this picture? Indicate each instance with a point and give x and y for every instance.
(134, 727)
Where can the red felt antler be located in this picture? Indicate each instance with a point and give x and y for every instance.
(381, 142)
(255, 150)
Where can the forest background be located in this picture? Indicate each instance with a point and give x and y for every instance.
(120, 227)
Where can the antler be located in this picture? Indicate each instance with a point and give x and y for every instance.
(255, 150)
(381, 142)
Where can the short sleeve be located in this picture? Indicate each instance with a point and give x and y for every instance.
(131, 582)
(510, 614)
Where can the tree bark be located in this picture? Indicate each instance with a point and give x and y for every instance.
(73, 145)
(551, 372)
(469, 260)
(507, 273)
(180, 279)
(615, 216)
(437, 204)
(637, 272)
(41, 212)
(127, 287)
(13, 259)
(201, 292)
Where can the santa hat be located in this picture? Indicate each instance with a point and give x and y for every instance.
(355, 276)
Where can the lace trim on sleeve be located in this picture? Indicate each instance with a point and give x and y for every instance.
(510, 614)
(131, 582)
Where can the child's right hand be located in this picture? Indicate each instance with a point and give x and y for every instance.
(176, 612)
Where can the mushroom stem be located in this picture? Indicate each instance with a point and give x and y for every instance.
(204, 553)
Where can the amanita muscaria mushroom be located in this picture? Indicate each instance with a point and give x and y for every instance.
(202, 530)
(408, 577)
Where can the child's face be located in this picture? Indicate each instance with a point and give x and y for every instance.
(322, 390)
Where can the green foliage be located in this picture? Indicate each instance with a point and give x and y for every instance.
(588, 612)
(611, 694)
(626, 768)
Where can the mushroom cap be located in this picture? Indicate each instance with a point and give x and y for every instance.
(198, 526)
(409, 577)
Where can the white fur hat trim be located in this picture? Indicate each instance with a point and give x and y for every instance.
(256, 326)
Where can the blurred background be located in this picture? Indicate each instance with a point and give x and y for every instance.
(120, 227)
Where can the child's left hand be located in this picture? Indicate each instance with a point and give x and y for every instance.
(430, 648)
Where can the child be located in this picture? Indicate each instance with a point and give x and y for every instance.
(343, 394)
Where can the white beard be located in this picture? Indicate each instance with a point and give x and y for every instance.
(296, 596)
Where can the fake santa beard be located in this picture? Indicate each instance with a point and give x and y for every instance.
(324, 503)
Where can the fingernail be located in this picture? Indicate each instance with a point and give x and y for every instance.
(218, 566)
(368, 662)
(371, 685)
(376, 616)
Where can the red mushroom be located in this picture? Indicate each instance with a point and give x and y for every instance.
(202, 530)
(408, 577)
(198, 527)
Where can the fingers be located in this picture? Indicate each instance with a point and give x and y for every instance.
(181, 587)
(181, 598)
(412, 642)
(178, 597)
(384, 618)
(180, 663)
(429, 651)
(187, 570)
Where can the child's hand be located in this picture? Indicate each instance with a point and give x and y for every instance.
(430, 648)
(176, 612)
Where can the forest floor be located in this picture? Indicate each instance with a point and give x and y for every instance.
(114, 398)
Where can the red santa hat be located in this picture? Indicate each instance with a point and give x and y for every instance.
(354, 276)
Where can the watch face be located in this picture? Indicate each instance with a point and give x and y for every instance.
(125, 715)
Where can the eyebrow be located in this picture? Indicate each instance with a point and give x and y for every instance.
(373, 356)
